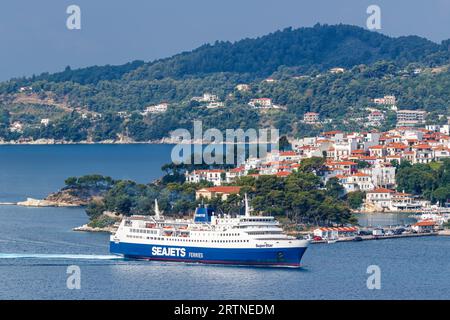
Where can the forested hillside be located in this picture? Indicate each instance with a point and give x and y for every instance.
(106, 103)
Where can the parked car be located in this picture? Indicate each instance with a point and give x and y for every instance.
(378, 232)
(365, 233)
(317, 238)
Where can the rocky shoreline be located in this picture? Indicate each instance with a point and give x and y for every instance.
(67, 197)
(166, 140)
(60, 142)
(87, 228)
(30, 202)
(110, 228)
(63, 198)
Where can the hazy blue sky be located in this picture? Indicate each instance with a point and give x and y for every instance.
(34, 37)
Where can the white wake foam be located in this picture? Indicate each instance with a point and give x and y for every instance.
(58, 256)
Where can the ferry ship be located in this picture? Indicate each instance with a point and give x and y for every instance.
(208, 238)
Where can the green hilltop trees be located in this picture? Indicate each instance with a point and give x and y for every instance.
(431, 181)
(299, 59)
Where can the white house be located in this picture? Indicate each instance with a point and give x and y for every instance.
(261, 103)
(383, 175)
(233, 174)
(380, 198)
(214, 176)
(424, 226)
(311, 117)
(335, 232)
(16, 127)
(386, 100)
(215, 105)
(243, 87)
(337, 70)
(159, 108)
(410, 117)
(206, 97)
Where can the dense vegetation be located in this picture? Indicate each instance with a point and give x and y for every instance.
(431, 181)
(298, 59)
(318, 48)
(300, 197)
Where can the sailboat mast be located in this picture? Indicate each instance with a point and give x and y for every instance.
(157, 212)
(247, 207)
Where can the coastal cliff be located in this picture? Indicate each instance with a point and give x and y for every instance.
(70, 197)
(62, 198)
(30, 202)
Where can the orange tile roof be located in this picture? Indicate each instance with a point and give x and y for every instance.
(360, 174)
(346, 163)
(368, 158)
(288, 153)
(332, 133)
(341, 229)
(282, 174)
(396, 145)
(223, 189)
(381, 190)
(358, 151)
(422, 146)
(425, 223)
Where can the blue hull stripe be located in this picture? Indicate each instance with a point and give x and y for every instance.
(248, 256)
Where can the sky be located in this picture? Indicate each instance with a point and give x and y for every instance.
(35, 39)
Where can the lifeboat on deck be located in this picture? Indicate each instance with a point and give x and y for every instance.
(168, 230)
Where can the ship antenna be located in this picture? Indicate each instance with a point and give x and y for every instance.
(157, 212)
(247, 207)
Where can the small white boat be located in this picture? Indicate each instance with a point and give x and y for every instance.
(331, 240)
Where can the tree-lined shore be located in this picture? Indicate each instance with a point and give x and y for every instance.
(299, 198)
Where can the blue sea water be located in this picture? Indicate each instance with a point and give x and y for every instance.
(37, 245)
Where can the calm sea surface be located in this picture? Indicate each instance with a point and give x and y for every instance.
(37, 245)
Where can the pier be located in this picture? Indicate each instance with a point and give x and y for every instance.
(383, 237)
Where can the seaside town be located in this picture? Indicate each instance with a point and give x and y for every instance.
(344, 152)
(361, 161)
(365, 161)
